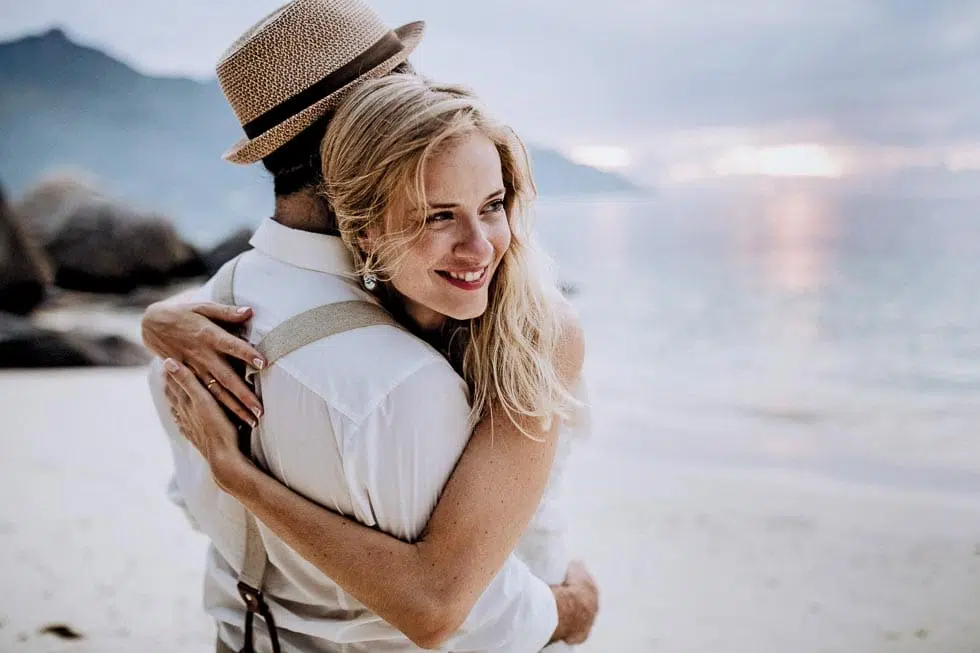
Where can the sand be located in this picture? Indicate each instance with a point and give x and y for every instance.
(690, 559)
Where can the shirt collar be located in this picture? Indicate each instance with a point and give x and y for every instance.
(303, 249)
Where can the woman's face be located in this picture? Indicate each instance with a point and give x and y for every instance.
(447, 270)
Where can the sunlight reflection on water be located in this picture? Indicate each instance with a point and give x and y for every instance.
(791, 327)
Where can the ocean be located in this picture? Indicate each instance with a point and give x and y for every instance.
(791, 327)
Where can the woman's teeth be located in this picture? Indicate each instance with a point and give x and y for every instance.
(468, 277)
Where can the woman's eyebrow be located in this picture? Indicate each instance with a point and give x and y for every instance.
(452, 205)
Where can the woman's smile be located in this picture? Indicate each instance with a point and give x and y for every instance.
(471, 279)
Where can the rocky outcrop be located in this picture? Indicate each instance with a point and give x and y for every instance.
(226, 250)
(100, 245)
(106, 247)
(25, 345)
(25, 272)
(46, 206)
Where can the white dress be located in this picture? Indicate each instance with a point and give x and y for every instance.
(543, 546)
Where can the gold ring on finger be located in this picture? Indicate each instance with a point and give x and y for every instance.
(211, 384)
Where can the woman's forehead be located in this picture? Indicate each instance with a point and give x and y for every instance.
(466, 166)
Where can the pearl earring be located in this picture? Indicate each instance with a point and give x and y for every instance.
(370, 280)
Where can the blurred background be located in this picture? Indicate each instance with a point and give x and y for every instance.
(766, 213)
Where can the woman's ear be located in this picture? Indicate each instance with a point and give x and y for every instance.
(370, 239)
(368, 242)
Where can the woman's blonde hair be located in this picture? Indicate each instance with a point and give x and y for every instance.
(373, 158)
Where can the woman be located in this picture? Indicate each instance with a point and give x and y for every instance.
(394, 143)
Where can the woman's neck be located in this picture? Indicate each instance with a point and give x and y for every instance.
(426, 320)
(436, 329)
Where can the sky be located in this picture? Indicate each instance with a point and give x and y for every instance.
(666, 91)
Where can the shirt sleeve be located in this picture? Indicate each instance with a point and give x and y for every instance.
(397, 465)
(155, 379)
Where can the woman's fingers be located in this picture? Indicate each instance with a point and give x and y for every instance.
(177, 400)
(208, 365)
(223, 312)
(228, 400)
(186, 381)
(202, 402)
(219, 340)
(211, 429)
(216, 367)
(172, 390)
(168, 390)
(215, 384)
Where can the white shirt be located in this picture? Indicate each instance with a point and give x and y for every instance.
(368, 423)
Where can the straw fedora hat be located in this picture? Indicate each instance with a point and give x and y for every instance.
(299, 62)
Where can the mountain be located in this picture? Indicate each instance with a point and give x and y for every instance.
(157, 141)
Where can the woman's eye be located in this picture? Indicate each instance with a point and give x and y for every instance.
(496, 205)
(439, 217)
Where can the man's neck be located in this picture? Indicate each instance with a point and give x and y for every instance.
(306, 211)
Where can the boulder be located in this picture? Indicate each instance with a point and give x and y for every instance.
(101, 245)
(226, 250)
(25, 271)
(45, 207)
(25, 345)
(107, 247)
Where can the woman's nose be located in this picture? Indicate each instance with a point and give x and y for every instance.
(474, 242)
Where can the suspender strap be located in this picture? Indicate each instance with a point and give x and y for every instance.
(223, 285)
(319, 323)
(295, 333)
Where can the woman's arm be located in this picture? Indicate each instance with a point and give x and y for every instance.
(485, 506)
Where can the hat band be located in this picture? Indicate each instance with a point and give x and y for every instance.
(385, 48)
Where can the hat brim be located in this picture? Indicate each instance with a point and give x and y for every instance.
(247, 151)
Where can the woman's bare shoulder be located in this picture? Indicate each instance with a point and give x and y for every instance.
(571, 343)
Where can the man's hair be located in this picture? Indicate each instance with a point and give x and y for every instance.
(296, 165)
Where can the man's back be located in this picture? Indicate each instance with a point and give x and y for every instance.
(369, 423)
(326, 433)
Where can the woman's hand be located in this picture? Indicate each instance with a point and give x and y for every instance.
(188, 333)
(202, 421)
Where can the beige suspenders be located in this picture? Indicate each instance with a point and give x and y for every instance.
(298, 331)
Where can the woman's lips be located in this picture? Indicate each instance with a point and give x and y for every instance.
(466, 279)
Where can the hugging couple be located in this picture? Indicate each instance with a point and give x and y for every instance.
(370, 411)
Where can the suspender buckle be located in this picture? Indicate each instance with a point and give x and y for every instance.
(255, 604)
(252, 597)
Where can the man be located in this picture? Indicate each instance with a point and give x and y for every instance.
(284, 77)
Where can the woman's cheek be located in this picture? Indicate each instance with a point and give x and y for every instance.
(501, 237)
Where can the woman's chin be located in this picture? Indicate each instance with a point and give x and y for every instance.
(470, 311)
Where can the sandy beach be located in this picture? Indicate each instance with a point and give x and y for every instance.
(690, 559)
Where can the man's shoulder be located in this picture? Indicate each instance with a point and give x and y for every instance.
(354, 371)
(357, 371)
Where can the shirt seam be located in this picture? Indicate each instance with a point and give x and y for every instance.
(383, 393)
(360, 425)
